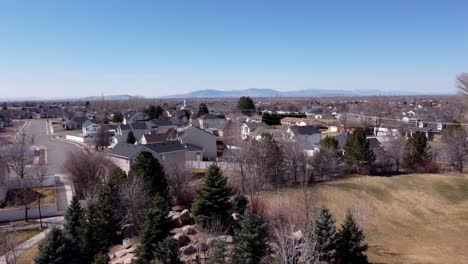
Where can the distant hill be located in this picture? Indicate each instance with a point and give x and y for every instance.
(109, 97)
(259, 92)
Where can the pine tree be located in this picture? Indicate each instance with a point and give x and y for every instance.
(167, 252)
(155, 229)
(357, 151)
(250, 240)
(218, 253)
(212, 199)
(351, 247)
(153, 112)
(417, 148)
(329, 142)
(100, 223)
(55, 249)
(202, 109)
(239, 204)
(246, 105)
(326, 237)
(148, 168)
(131, 138)
(72, 218)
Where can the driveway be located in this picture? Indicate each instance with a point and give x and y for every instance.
(57, 151)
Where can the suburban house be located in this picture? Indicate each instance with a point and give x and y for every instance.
(160, 123)
(75, 122)
(160, 135)
(308, 136)
(248, 129)
(209, 120)
(179, 118)
(199, 138)
(297, 121)
(138, 129)
(133, 117)
(432, 131)
(223, 129)
(89, 128)
(123, 154)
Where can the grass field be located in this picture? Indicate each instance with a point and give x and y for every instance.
(16, 198)
(407, 219)
(27, 257)
(24, 235)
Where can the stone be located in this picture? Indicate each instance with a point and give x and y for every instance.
(182, 239)
(120, 254)
(297, 235)
(126, 243)
(189, 230)
(188, 250)
(184, 217)
(128, 259)
(227, 239)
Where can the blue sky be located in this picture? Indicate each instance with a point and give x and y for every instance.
(153, 48)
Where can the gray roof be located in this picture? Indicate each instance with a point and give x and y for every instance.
(167, 146)
(208, 116)
(79, 119)
(254, 125)
(189, 130)
(160, 122)
(191, 147)
(138, 125)
(305, 130)
(125, 150)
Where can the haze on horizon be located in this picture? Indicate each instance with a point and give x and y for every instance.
(57, 49)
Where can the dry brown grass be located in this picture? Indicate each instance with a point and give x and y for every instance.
(24, 235)
(407, 219)
(27, 257)
(14, 197)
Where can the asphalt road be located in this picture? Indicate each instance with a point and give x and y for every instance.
(57, 151)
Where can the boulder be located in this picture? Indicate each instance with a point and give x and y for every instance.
(189, 230)
(227, 239)
(128, 259)
(188, 250)
(185, 218)
(297, 235)
(178, 208)
(120, 254)
(126, 243)
(182, 239)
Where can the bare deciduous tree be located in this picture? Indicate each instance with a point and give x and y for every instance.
(178, 179)
(41, 175)
(18, 154)
(135, 199)
(455, 149)
(88, 170)
(8, 244)
(395, 149)
(295, 160)
(102, 139)
(462, 82)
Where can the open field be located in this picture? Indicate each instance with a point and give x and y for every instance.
(407, 219)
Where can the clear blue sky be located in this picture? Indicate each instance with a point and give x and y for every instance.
(153, 48)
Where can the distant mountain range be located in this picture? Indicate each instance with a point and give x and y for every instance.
(259, 92)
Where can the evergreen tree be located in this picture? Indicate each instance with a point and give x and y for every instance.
(55, 249)
(212, 199)
(246, 105)
(239, 204)
(218, 253)
(167, 252)
(117, 117)
(148, 168)
(100, 223)
(326, 237)
(131, 138)
(250, 240)
(155, 229)
(329, 142)
(417, 148)
(357, 151)
(351, 247)
(202, 109)
(153, 112)
(73, 217)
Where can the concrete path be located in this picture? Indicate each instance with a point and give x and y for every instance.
(49, 222)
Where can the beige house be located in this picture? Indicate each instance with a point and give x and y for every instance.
(123, 154)
(199, 138)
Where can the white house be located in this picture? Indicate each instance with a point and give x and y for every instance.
(308, 136)
(89, 128)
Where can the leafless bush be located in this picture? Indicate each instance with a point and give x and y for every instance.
(134, 201)
(395, 150)
(8, 244)
(17, 154)
(178, 178)
(286, 243)
(88, 170)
